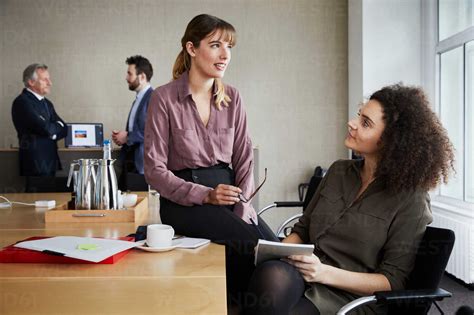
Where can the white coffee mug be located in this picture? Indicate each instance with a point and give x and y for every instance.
(129, 200)
(159, 235)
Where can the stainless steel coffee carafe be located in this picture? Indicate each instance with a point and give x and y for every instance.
(106, 189)
(84, 182)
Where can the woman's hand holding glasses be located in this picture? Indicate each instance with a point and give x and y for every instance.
(223, 195)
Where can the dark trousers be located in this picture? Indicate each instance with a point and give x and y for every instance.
(219, 224)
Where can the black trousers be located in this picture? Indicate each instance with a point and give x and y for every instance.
(219, 224)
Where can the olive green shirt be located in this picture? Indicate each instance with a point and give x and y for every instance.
(377, 233)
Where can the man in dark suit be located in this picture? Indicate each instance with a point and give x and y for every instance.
(138, 77)
(37, 124)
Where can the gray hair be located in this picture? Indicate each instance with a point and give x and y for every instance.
(30, 72)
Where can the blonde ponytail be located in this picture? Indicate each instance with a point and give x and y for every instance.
(181, 65)
(221, 97)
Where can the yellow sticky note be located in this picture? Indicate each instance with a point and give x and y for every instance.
(87, 246)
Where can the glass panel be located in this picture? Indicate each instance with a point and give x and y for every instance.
(452, 115)
(469, 123)
(454, 16)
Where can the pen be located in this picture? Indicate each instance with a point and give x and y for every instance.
(51, 252)
(258, 229)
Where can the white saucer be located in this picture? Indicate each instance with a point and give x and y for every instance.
(145, 247)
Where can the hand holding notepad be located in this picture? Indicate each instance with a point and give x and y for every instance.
(267, 250)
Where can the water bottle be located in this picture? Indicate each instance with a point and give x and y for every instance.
(106, 190)
(107, 150)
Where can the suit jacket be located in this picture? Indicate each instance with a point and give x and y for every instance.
(136, 136)
(36, 122)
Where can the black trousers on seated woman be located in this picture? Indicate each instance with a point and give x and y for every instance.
(278, 289)
(219, 224)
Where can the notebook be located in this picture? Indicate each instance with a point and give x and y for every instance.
(190, 242)
(267, 250)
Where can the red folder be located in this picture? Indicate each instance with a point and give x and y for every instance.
(11, 254)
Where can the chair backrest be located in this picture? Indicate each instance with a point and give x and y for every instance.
(136, 182)
(431, 259)
(313, 185)
(47, 184)
(430, 262)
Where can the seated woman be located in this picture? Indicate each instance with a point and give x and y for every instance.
(367, 216)
(196, 127)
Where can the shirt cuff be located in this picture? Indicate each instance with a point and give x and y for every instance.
(395, 282)
(198, 193)
(128, 141)
(301, 233)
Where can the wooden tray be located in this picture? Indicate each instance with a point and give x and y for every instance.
(62, 214)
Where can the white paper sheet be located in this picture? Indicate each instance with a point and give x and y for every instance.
(68, 245)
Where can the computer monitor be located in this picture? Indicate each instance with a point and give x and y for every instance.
(84, 135)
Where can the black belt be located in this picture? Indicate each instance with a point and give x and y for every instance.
(208, 176)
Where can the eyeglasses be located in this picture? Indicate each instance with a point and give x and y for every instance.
(245, 200)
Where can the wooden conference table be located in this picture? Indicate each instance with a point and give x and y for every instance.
(176, 282)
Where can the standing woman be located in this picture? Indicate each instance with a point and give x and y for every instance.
(196, 127)
(367, 216)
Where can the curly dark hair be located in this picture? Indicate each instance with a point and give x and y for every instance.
(416, 152)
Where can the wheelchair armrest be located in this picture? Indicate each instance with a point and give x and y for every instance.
(282, 226)
(384, 297)
(288, 204)
(281, 204)
(389, 296)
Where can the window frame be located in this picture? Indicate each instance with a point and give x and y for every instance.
(460, 39)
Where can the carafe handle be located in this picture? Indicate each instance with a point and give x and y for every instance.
(94, 179)
(71, 172)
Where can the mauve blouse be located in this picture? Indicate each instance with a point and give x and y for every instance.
(176, 139)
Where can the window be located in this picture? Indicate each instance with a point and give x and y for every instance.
(454, 16)
(469, 123)
(455, 53)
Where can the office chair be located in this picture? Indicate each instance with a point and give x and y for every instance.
(306, 192)
(423, 285)
(135, 182)
(42, 184)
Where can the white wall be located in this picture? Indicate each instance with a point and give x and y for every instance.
(390, 31)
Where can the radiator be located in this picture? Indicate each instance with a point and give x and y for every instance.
(461, 262)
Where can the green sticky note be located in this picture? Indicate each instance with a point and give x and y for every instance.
(87, 246)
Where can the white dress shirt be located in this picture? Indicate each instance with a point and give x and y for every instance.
(135, 105)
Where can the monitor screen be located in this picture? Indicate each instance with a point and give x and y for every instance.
(84, 135)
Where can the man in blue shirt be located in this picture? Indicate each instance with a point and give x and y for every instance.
(138, 77)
